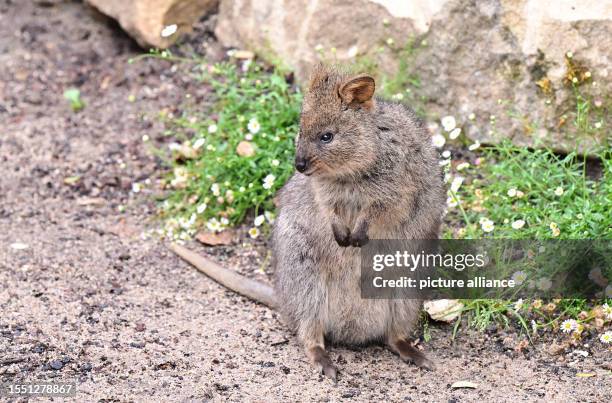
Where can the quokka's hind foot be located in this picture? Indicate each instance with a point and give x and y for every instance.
(321, 360)
(409, 353)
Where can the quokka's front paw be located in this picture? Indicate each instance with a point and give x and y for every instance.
(359, 239)
(341, 235)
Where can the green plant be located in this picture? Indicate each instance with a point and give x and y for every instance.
(534, 194)
(514, 192)
(73, 96)
(232, 164)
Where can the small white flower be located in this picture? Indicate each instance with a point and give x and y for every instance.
(519, 278)
(198, 143)
(472, 116)
(559, 191)
(452, 202)
(254, 232)
(259, 220)
(462, 166)
(518, 224)
(448, 123)
(446, 154)
(224, 221)
(169, 30)
(474, 146)
(597, 125)
(574, 80)
(210, 147)
(390, 41)
(145, 138)
(248, 137)
(398, 97)
(518, 304)
(201, 208)
(318, 47)
(242, 189)
(213, 225)
(569, 325)
(456, 132)
(487, 225)
(607, 310)
(136, 187)
(544, 284)
(270, 217)
(456, 183)
(212, 128)
(352, 52)
(245, 65)
(554, 228)
(444, 162)
(275, 163)
(511, 192)
(606, 338)
(569, 55)
(438, 140)
(215, 189)
(253, 126)
(268, 181)
(174, 146)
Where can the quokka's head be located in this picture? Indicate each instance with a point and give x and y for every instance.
(337, 134)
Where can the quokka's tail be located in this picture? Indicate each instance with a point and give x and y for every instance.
(258, 291)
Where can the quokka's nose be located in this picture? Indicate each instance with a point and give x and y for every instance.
(301, 164)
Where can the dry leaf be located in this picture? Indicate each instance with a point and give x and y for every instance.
(185, 151)
(445, 310)
(464, 384)
(214, 239)
(585, 375)
(521, 345)
(245, 149)
(243, 54)
(91, 201)
(71, 180)
(556, 349)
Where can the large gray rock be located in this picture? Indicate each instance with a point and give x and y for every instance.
(502, 60)
(155, 23)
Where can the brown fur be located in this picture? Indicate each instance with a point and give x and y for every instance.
(378, 178)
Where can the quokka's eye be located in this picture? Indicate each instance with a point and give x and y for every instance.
(327, 137)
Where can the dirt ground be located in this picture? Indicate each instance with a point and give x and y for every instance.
(84, 297)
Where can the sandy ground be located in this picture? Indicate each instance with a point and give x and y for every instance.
(83, 297)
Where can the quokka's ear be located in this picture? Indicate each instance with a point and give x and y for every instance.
(358, 91)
